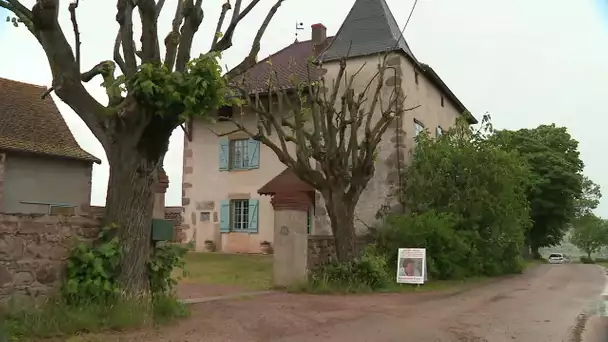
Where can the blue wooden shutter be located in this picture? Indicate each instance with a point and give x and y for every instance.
(224, 153)
(254, 211)
(225, 216)
(253, 149)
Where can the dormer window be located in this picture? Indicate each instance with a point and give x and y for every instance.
(225, 113)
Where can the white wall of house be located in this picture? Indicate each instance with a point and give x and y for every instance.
(217, 178)
(208, 183)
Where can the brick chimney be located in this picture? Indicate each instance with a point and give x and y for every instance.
(319, 36)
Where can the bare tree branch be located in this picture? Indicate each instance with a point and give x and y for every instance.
(172, 39)
(226, 41)
(193, 17)
(72, 8)
(159, 7)
(150, 50)
(124, 17)
(218, 29)
(251, 58)
(117, 56)
(17, 6)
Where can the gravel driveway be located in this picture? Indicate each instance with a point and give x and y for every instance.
(542, 305)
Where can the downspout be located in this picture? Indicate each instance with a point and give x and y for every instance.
(397, 136)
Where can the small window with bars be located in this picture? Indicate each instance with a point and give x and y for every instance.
(418, 127)
(439, 131)
(240, 215)
(239, 156)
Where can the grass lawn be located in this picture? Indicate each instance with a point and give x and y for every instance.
(248, 271)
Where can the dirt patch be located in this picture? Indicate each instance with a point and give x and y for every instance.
(191, 290)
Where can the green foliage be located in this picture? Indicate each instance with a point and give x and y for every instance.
(590, 234)
(198, 90)
(589, 198)
(473, 195)
(91, 270)
(587, 260)
(165, 260)
(556, 179)
(447, 249)
(60, 318)
(368, 272)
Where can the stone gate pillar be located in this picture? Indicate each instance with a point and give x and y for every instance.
(290, 237)
(159, 195)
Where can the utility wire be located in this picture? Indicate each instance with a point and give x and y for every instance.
(408, 20)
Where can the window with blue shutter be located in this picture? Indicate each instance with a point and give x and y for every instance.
(224, 153)
(254, 154)
(225, 216)
(254, 210)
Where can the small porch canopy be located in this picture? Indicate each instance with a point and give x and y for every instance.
(286, 181)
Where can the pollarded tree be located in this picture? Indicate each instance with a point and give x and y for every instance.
(336, 130)
(151, 97)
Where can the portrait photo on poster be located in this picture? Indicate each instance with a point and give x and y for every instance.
(410, 267)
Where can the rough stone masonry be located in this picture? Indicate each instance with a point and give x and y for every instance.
(33, 251)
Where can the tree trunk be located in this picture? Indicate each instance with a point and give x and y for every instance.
(535, 250)
(130, 204)
(341, 215)
(589, 255)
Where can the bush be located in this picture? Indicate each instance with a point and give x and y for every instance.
(452, 253)
(91, 270)
(586, 260)
(368, 272)
(446, 249)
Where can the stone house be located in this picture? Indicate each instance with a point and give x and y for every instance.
(221, 196)
(42, 167)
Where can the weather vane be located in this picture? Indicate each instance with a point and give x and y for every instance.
(299, 26)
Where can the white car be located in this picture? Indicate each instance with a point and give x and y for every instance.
(557, 258)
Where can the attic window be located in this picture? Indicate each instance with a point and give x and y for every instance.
(225, 113)
(442, 104)
(416, 77)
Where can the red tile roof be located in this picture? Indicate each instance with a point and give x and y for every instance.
(33, 125)
(290, 65)
(285, 181)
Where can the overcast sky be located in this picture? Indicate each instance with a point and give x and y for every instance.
(526, 62)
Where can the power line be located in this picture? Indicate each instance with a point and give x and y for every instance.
(408, 19)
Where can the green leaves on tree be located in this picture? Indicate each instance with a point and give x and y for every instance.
(590, 234)
(198, 90)
(556, 181)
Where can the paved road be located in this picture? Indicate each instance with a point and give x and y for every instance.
(545, 304)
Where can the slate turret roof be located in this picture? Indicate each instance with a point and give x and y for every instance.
(369, 28)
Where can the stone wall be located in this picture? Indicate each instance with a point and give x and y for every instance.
(33, 249)
(171, 213)
(322, 249)
(2, 161)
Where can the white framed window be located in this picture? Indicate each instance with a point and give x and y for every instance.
(418, 127)
(239, 154)
(239, 215)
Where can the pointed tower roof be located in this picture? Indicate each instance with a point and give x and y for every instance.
(369, 28)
